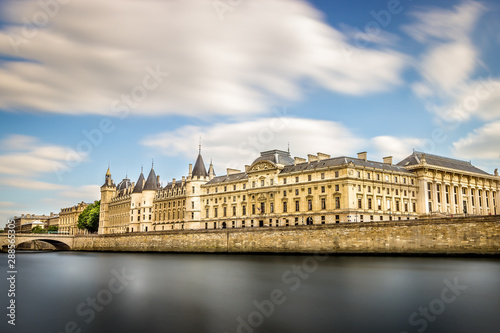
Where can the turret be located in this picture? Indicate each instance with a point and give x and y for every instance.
(108, 191)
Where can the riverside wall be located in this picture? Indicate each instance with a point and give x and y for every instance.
(472, 235)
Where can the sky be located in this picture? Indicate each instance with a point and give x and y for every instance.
(87, 83)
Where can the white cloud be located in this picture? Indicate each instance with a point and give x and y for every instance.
(398, 148)
(232, 145)
(31, 184)
(443, 24)
(92, 52)
(482, 143)
(235, 144)
(23, 155)
(87, 193)
(451, 57)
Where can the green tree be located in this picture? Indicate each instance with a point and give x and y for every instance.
(38, 230)
(53, 228)
(89, 218)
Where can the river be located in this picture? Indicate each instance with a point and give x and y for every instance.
(151, 292)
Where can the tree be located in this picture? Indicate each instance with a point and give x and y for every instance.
(53, 228)
(89, 218)
(38, 230)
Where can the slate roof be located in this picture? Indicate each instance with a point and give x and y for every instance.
(139, 184)
(151, 182)
(441, 161)
(124, 184)
(227, 178)
(337, 161)
(276, 156)
(199, 168)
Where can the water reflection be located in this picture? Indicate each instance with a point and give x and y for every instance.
(250, 293)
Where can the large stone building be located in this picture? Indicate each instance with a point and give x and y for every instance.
(280, 190)
(26, 222)
(68, 219)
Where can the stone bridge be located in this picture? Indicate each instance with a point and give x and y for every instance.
(60, 242)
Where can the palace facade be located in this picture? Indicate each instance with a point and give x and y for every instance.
(277, 189)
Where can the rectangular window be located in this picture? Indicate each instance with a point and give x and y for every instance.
(369, 203)
(337, 203)
(285, 207)
(284, 193)
(215, 212)
(397, 206)
(472, 196)
(262, 182)
(296, 192)
(253, 184)
(309, 190)
(244, 210)
(359, 174)
(379, 204)
(262, 207)
(447, 192)
(337, 188)
(455, 198)
(337, 218)
(244, 186)
(336, 174)
(487, 199)
(323, 203)
(271, 207)
(429, 191)
(253, 209)
(309, 204)
(369, 189)
(368, 175)
(309, 177)
(480, 195)
(322, 175)
(438, 192)
(271, 181)
(406, 206)
(359, 203)
(414, 207)
(322, 189)
(323, 219)
(234, 210)
(297, 206)
(284, 180)
(296, 179)
(206, 214)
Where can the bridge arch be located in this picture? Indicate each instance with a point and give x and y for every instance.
(58, 245)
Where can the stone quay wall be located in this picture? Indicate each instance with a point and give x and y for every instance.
(469, 235)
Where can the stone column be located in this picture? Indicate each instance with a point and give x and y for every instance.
(434, 197)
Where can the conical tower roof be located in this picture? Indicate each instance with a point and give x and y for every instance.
(199, 168)
(139, 184)
(151, 182)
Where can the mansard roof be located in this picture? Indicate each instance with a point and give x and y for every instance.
(440, 161)
(276, 156)
(139, 184)
(227, 178)
(151, 182)
(337, 161)
(199, 168)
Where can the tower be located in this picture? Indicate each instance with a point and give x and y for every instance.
(198, 176)
(108, 191)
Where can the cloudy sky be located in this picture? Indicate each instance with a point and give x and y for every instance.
(87, 83)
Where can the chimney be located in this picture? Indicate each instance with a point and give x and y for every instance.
(298, 160)
(247, 167)
(158, 179)
(311, 158)
(173, 181)
(362, 156)
(322, 156)
(232, 171)
(190, 170)
(183, 179)
(388, 160)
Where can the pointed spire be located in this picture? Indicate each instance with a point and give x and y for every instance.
(152, 163)
(199, 147)
(152, 181)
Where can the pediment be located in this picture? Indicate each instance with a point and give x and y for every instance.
(262, 165)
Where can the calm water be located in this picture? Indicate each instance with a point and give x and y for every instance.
(68, 292)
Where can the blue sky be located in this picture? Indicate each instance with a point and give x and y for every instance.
(147, 79)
